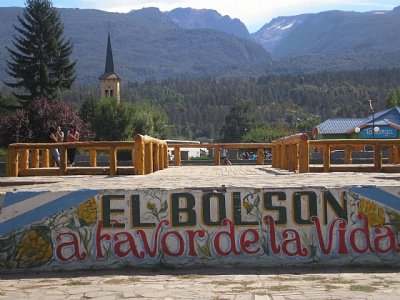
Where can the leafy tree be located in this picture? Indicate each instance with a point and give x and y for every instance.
(40, 62)
(33, 125)
(8, 104)
(393, 99)
(150, 119)
(265, 134)
(87, 110)
(238, 121)
(113, 121)
(15, 128)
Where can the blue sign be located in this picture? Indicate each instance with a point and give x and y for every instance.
(384, 132)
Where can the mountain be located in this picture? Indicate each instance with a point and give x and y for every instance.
(206, 18)
(147, 44)
(332, 33)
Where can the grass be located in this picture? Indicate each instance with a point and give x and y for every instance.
(281, 288)
(329, 287)
(190, 276)
(78, 282)
(362, 288)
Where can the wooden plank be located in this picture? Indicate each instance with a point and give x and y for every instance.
(45, 158)
(378, 157)
(177, 156)
(12, 163)
(347, 155)
(139, 156)
(24, 159)
(156, 157)
(260, 156)
(35, 158)
(326, 157)
(63, 161)
(88, 171)
(40, 172)
(217, 156)
(125, 171)
(113, 161)
(148, 158)
(304, 157)
(93, 157)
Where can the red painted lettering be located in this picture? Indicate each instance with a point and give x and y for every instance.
(70, 246)
(230, 234)
(246, 245)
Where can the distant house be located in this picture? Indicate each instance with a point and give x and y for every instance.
(381, 125)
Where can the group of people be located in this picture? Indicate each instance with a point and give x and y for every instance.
(56, 135)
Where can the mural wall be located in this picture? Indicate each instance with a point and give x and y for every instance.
(238, 226)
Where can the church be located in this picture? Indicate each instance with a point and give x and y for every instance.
(110, 83)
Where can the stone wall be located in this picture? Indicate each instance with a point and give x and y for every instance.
(89, 229)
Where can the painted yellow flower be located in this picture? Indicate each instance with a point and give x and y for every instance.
(33, 250)
(374, 213)
(87, 212)
(150, 206)
(247, 206)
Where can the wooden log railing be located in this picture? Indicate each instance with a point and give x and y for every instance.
(292, 153)
(217, 147)
(354, 145)
(35, 159)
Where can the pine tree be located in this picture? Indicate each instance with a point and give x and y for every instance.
(40, 62)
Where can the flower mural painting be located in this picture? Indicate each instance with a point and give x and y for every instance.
(189, 227)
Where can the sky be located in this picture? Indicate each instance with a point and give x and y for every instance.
(253, 13)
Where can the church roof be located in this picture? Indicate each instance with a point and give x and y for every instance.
(389, 117)
(109, 72)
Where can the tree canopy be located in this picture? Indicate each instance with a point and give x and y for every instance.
(39, 61)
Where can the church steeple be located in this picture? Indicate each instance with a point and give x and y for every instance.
(109, 58)
(109, 81)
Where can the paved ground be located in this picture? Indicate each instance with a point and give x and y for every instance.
(199, 177)
(283, 283)
(206, 284)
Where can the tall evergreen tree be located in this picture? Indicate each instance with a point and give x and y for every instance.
(40, 62)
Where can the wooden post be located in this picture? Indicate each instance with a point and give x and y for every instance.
(326, 157)
(165, 154)
(113, 161)
(217, 156)
(148, 157)
(304, 156)
(377, 157)
(391, 150)
(286, 152)
(139, 155)
(156, 157)
(35, 158)
(397, 154)
(274, 155)
(45, 158)
(12, 163)
(24, 159)
(63, 161)
(292, 157)
(347, 155)
(177, 156)
(260, 156)
(93, 157)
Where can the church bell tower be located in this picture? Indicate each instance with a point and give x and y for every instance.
(109, 81)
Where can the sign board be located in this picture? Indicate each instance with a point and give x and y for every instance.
(194, 227)
(385, 132)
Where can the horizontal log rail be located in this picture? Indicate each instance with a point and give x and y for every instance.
(35, 159)
(217, 147)
(357, 145)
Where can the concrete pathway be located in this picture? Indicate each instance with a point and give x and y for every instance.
(206, 284)
(198, 177)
